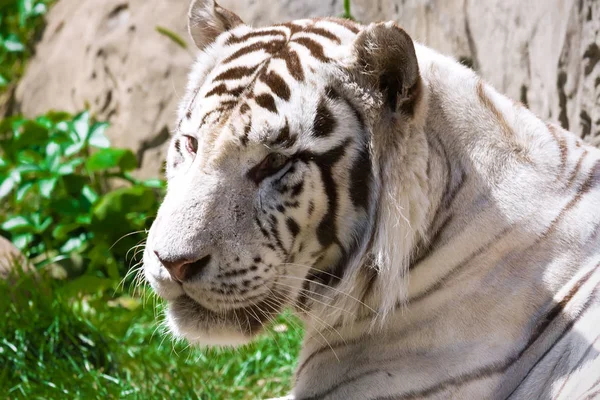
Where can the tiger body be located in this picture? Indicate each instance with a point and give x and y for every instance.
(438, 239)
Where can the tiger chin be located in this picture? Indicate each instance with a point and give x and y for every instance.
(437, 238)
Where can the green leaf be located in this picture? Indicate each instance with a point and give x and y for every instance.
(44, 225)
(116, 204)
(69, 167)
(3, 81)
(22, 241)
(111, 158)
(7, 186)
(14, 223)
(47, 186)
(62, 126)
(89, 194)
(30, 133)
(22, 191)
(97, 137)
(12, 44)
(39, 9)
(52, 149)
(60, 232)
(67, 206)
(173, 36)
(81, 125)
(74, 243)
(154, 183)
(74, 148)
(52, 156)
(29, 156)
(83, 219)
(23, 169)
(3, 163)
(58, 118)
(73, 184)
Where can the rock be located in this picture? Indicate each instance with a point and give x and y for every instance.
(11, 259)
(108, 55)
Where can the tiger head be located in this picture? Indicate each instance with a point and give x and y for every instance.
(273, 190)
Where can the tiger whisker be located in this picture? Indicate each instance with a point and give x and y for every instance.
(332, 288)
(318, 301)
(318, 319)
(124, 236)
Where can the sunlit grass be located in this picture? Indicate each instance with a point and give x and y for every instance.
(101, 347)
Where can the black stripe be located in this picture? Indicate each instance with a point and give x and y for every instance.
(261, 33)
(265, 100)
(235, 73)
(324, 122)
(440, 282)
(293, 226)
(333, 94)
(360, 178)
(293, 64)
(322, 32)
(326, 231)
(474, 375)
(264, 232)
(297, 189)
(433, 243)
(576, 366)
(276, 84)
(221, 89)
(276, 235)
(270, 47)
(315, 48)
(284, 138)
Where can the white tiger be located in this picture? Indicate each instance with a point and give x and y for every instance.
(439, 240)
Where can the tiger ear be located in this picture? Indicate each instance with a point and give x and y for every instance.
(207, 20)
(386, 59)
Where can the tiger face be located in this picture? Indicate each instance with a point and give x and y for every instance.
(271, 187)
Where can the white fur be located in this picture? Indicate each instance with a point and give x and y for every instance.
(462, 286)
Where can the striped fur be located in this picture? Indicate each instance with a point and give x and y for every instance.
(438, 239)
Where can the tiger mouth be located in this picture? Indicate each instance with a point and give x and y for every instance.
(249, 320)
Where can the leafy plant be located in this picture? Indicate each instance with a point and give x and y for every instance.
(20, 23)
(58, 175)
(347, 13)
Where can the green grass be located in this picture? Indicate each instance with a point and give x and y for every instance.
(56, 346)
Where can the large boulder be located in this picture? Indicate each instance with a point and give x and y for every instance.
(108, 55)
(12, 261)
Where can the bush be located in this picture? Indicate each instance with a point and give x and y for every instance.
(59, 204)
(21, 21)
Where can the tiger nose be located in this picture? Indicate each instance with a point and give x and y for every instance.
(183, 269)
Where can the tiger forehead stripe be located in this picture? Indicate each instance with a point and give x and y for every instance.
(275, 43)
(255, 34)
(270, 47)
(276, 84)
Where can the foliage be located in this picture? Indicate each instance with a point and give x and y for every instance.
(178, 40)
(57, 174)
(21, 21)
(54, 346)
(347, 13)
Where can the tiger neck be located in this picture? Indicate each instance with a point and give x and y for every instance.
(437, 181)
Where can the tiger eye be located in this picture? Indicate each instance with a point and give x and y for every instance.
(270, 165)
(191, 144)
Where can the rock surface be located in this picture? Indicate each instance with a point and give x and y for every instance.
(10, 259)
(107, 54)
